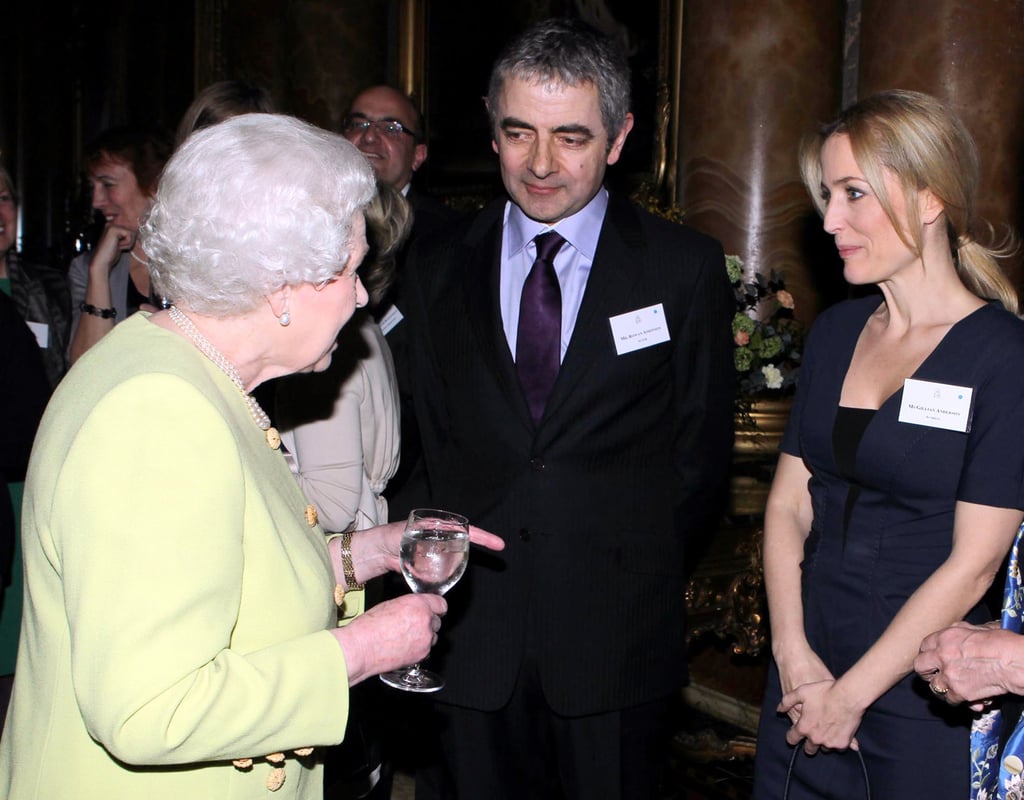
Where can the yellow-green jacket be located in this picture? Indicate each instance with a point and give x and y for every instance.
(177, 600)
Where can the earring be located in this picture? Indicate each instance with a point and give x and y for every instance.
(285, 319)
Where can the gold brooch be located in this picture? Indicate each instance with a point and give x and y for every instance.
(311, 516)
(273, 438)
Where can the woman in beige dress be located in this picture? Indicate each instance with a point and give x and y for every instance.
(341, 427)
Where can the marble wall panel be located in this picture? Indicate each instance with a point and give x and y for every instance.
(970, 54)
(757, 75)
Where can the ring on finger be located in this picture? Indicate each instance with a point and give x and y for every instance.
(939, 690)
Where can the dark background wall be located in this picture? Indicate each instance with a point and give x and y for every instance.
(748, 78)
(76, 68)
(72, 69)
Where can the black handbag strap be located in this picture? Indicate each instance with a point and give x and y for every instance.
(792, 762)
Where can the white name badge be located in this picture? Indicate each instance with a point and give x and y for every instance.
(390, 319)
(42, 332)
(638, 329)
(937, 405)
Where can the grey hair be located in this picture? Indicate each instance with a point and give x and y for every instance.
(252, 204)
(572, 53)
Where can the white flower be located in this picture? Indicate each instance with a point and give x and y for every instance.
(772, 376)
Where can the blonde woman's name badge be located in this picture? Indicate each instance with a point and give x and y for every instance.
(937, 405)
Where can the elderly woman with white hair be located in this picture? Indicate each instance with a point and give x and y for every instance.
(179, 638)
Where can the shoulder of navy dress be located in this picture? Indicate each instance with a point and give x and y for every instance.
(1001, 329)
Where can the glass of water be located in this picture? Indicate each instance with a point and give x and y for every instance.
(434, 553)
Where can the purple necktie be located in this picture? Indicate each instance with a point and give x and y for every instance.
(539, 341)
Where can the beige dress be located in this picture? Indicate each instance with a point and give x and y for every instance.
(341, 428)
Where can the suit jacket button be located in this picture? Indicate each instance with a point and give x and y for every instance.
(537, 463)
(524, 534)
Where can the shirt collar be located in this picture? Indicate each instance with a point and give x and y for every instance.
(581, 230)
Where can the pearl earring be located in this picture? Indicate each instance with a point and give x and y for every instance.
(285, 319)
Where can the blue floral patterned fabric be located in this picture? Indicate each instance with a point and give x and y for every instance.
(996, 776)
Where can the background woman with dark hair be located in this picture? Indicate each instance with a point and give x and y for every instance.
(111, 282)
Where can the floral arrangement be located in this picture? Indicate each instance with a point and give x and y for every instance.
(768, 339)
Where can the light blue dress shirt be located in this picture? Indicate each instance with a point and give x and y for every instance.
(572, 264)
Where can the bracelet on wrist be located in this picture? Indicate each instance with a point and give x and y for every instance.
(102, 313)
(347, 567)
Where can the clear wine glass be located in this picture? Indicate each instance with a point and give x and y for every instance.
(434, 553)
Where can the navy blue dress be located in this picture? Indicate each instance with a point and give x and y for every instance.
(882, 523)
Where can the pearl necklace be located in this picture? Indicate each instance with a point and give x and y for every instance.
(219, 360)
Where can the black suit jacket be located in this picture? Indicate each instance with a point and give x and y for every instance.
(596, 501)
(429, 215)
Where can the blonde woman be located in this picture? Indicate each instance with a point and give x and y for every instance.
(341, 427)
(899, 488)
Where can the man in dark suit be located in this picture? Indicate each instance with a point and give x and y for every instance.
(389, 130)
(563, 653)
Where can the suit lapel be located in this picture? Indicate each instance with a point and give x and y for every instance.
(611, 280)
(482, 267)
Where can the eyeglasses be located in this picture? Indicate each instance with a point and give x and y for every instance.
(391, 128)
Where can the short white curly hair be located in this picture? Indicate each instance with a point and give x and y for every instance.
(252, 204)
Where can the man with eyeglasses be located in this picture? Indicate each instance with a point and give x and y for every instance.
(388, 129)
(385, 125)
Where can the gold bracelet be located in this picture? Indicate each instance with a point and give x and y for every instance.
(347, 567)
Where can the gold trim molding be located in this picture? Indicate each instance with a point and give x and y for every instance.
(209, 42)
(412, 49)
